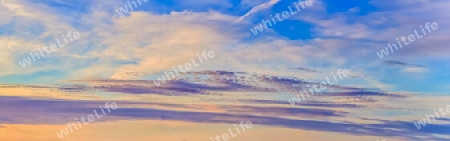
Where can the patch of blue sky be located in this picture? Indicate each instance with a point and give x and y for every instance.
(364, 6)
(39, 77)
(66, 6)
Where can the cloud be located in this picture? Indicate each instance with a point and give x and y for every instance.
(119, 57)
(152, 46)
(257, 9)
(401, 64)
(415, 70)
(304, 69)
(269, 116)
(406, 67)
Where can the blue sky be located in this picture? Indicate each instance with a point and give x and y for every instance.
(295, 29)
(129, 52)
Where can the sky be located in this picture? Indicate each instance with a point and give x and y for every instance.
(119, 55)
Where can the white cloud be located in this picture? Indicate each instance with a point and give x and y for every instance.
(415, 69)
(257, 9)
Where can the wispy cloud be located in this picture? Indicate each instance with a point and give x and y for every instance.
(402, 64)
(257, 9)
